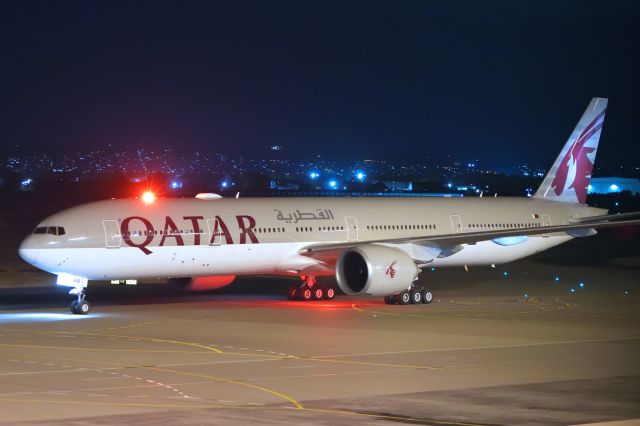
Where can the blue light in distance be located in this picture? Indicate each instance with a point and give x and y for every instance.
(505, 274)
(314, 175)
(572, 290)
(581, 284)
(224, 184)
(614, 187)
(333, 184)
(449, 185)
(175, 184)
(360, 176)
(26, 182)
(525, 296)
(556, 278)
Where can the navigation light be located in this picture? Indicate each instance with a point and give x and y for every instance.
(148, 197)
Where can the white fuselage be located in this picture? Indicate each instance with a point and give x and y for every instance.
(117, 239)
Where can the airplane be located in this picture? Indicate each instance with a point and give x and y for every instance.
(372, 246)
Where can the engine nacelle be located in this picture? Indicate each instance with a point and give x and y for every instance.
(206, 283)
(375, 270)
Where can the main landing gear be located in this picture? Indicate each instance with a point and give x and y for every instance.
(310, 289)
(80, 305)
(412, 296)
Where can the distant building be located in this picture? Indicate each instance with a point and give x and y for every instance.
(398, 186)
(610, 185)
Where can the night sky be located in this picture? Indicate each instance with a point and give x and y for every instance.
(504, 82)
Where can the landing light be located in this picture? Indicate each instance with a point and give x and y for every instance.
(148, 197)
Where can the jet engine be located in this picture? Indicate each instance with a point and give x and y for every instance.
(205, 283)
(375, 270)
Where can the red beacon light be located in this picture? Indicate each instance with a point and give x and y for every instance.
(148, 197)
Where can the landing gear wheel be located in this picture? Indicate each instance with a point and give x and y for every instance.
(416, 297)
(80, 307)
(83, 308)
(427, 297)
(390, 300)
(318, 293)
(404, 298)
(292, 292)
(306, 294)
(329, 294)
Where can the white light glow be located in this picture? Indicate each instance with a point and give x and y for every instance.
(148, 197)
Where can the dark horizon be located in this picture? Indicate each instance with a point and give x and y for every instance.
(502, 82)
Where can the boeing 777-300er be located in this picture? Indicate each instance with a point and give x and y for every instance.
(373, 246)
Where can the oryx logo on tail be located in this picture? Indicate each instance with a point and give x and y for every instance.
(577, 161)
(568, 178)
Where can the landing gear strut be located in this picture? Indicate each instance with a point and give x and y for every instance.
(310, 289)
(80, 305)
(414, 296)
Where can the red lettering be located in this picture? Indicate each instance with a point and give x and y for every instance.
(126, 233)
(247, 229)
(171, 231)
(220, 230)
(196, 227)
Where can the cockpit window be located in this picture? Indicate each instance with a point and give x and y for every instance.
(50, 230)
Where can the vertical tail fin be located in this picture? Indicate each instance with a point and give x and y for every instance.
(568, 178)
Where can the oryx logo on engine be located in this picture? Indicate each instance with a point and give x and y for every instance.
(391, 270)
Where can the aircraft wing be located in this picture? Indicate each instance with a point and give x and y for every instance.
(449, 242)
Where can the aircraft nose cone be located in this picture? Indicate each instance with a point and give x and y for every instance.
(29, 251)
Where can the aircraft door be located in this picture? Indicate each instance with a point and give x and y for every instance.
(352, 228)
(214, 232)
(112, 235)
(546, 221)
(456, 223)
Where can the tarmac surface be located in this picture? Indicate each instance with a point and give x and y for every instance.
(511, 345)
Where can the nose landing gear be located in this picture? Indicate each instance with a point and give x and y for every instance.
(80, 305)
